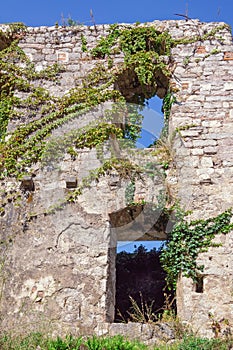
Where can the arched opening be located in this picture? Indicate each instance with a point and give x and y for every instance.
(134, 92)
(148, 100)
(137, 279)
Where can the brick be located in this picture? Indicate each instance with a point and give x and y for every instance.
(62, 56)
(205, 172)
(197, 151)
(207, 162)
(201, 49)
(185, 86)
(228, 56)
(212, 123)
(190, 133)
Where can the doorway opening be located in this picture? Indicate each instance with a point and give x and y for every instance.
(140, 283)
(138, 235)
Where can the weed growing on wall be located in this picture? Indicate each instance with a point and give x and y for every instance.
(142, 48)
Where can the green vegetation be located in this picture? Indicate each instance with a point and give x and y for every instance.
(195, 343)
(27, 144)
(84, 43)
(36, 341)
(187, 240)
(144, 49)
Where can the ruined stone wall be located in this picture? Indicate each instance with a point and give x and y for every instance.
(58, 268)
(203, 162)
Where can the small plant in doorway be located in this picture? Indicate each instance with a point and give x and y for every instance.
(142, 313)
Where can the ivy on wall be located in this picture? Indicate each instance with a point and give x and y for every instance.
(187, 240)
(144, 49)
(27, 143)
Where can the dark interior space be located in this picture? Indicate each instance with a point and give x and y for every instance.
(140, 277)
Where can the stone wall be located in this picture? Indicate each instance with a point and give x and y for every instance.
(203, 162)
(58, 268)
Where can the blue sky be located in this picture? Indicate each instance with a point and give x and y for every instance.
(47, 12)
(131, 246)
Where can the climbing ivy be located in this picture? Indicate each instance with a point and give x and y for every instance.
(187, 240)
(143, 49)
(145, 39)
(125, 169)
(131, 41)
(21, 151)
(16, 74)
(105, 44)
(90, 137)
(168, 101)
(11, 32)
(191, 40)
(129, 192)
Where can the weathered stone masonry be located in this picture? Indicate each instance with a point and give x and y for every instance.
(59, 272)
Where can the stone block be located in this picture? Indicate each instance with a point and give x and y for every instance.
(210, 150)
(48, 51)
(205, 172)
(197, 151)
(51, 58)
(130, 330)
(190, 133)
(228, 86)
(212, 123)
(204, 143)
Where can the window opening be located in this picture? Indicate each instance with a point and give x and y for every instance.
(141, 95)
(152, 124)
